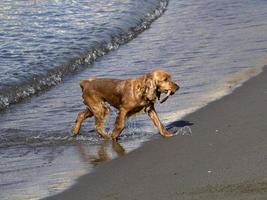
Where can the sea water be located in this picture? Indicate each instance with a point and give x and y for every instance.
(210, 47)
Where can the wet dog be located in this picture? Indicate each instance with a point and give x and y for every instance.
(128, 96)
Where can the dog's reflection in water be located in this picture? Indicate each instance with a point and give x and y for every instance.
(103, 152)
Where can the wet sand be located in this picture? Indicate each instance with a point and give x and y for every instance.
(224, 158)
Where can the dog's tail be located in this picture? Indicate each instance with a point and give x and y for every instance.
(85, 83)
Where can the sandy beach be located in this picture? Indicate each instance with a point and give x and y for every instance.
(224, 158)
(209, 48)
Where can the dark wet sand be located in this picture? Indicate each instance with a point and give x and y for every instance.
(224, 158)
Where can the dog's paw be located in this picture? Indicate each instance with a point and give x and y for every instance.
(74, 131)
(167, 134)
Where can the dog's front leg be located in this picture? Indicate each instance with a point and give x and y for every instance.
(80, 118)
(119, 124)
(154, 117)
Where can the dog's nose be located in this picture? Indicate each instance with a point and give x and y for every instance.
(177, 87)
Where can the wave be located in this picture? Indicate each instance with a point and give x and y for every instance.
(37, 83)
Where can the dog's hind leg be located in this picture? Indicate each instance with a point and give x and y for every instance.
(100, 110)
(80, 118)
(100, 117)
(119, 124)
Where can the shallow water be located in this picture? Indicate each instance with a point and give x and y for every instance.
(210, 47)
(42, 41)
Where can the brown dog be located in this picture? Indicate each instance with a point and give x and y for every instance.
(128, 96)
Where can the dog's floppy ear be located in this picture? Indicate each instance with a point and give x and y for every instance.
(150, 88)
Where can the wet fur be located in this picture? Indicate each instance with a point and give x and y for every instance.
(129, 96)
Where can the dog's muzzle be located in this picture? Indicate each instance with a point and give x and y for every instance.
(170, 92)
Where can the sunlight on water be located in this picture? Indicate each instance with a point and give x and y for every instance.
(209, 47)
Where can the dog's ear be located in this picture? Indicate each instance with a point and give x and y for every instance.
(150, 88)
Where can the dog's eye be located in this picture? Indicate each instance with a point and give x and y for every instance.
(165, 79)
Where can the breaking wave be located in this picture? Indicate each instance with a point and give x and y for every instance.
(11, 94)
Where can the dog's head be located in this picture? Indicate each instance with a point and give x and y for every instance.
(159, 81)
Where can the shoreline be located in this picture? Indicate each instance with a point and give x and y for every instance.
(224, 158)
